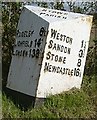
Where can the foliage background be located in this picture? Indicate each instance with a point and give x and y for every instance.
(87, 96)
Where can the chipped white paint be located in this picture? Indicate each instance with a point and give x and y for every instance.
(49, 52)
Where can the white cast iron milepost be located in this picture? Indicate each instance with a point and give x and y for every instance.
(50, 51)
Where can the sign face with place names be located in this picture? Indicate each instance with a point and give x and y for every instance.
(50, 51)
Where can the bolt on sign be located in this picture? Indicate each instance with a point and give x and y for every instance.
(49, 52)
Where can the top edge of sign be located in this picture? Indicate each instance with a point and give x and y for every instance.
(52, 15)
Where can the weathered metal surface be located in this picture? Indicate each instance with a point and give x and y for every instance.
(50, 51)
(27, 56)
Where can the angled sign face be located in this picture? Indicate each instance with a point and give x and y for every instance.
(49, 52)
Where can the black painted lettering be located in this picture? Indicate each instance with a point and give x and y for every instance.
(53, 33)
(60, 59)
(23, 53)
(31, 44)
(30, 52)
(57, 36)
(62, 48)
(17, 33)
(35, 43)
(58, 47)
(30, 33)
(53, 11)
(67, 39)
(46, 67)
(59, 12)
(39, 42)
(58, 16)
(54, 69)
(56, 58)
(52, 15)
(26, 53)
(66, 71)
(42, 13)
(81, 53)
(50, 44)
(33, 53)
(50, 68)
(27, 44)
(69, 50)
(82, 43)
(77, 72)
(46, 14)
(42, 32)
(65, 50)
(69, 72)
(72, 72)
(79, 63)
(64, 60)
(61, 37)
(64, 17)
(58, 69)
(64, 38)
(63, 71)
(71, 39)
(52, 56)
(48, 55)
(24, 33)
(54, 47)
(37, 53)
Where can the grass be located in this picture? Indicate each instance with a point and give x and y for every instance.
(71, 104)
